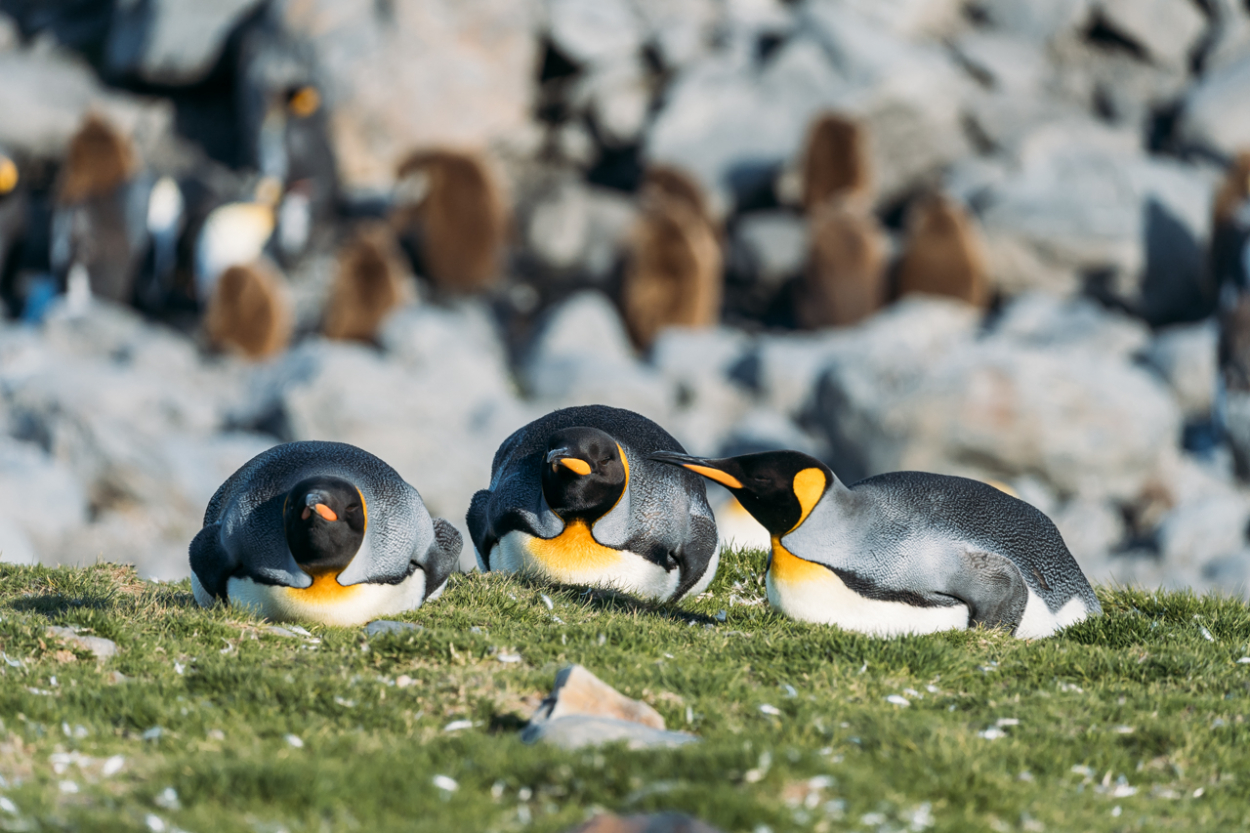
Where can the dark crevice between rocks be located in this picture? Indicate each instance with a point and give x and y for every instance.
(618, 168)
(1103, 35)
(80, 25)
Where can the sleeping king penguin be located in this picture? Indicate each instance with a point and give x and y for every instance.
(574, 498)
(320, 532)
(905, 552)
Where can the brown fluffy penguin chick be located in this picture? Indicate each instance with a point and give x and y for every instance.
(369, 284)
(944, 254)
(835, 161)
(461, 218)
(676, 184)
(249, 312)
(845, 280)
(1233, 191)
(1228, 231)
(99, 160)
(673, 276)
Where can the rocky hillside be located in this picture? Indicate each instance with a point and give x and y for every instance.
(1085, 140)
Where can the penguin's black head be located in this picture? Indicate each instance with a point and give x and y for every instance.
(584, 473)
(324, 519)
(778, 488)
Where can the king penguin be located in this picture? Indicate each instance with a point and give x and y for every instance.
(320, 532)
(905, 552)
(575, 498)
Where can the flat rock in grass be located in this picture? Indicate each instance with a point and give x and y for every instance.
(379, 627)
(582, 710)
(98, 645)
(577, 732)
(644, 823)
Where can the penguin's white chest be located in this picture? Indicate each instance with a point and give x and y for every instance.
(327, 602)
(812, 592)
(575, 557)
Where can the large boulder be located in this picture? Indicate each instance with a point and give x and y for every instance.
(39, 495)
(402, 75)
(708, 403)
(582, 356)
(1083, 422)
(1166, 30)
(1214, 116)
(172, 43)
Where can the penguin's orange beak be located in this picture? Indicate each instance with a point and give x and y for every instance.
(698, 465)
(322, 510)
(559, 457)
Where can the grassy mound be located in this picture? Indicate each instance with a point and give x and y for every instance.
(207, 720)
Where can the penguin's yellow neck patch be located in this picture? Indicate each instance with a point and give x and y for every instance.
(809, 485)
(574, 550)
(787, 568)
(325, 590)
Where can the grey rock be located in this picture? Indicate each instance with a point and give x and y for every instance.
(172, 43)
(1213, 116)
(579, 229)
(379, 627)
(1040, 22)
(697, 364)
(1185, 356)
(617, 96)
(1007, 63)
(581, 355)
(463, 70)
(595, 31)
(278, 630)
(15, 546)
(582, 710)
(682, 30)
(912, 19)
(1084, 423)
(774, 244)
(98, 645)
(1091, 528)
(39, 495)
(1229, 574)
(1199, 531)
(1043, 321)
(1168, 30)
(908, 337)
(46, 94)
(580, 732)
(1230, 37)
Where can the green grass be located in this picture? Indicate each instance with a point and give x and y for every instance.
(1138, 701)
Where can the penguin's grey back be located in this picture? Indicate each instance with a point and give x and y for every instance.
(986, 518)
(243, 505)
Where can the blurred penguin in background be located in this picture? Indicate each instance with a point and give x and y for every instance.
(944, 253)
(845, 279)
(235, 234)
(99, 218)
(451, 210)
(13, 208)
(371, 282)
(166, 219)
(674, 274)
(1230, 232)
(1230, 283)
(835, 162)
(250, 311)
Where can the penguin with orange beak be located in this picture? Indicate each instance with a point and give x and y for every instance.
(320, 532)
(575, 498)
(905, 552)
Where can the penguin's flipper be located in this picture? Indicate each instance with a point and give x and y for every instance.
(697, 554)
(443, 557)
(478, 520)
(992, 588)
(211, 566)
